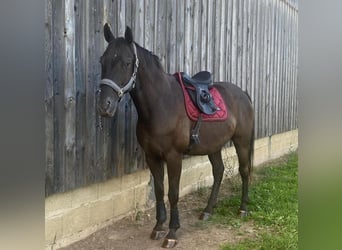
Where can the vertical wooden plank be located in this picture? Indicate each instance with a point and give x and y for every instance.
(58, 90)
(203, 16)
(249, 32)
(257, 69)
(234, 42)
(292, 56)
(239, 42)
(254, 48)
(265, 69)
(70, 94)
(268, 69)
(196, 34)
(293, 76)
(260, 69)
(277, 81)
(288, 64)
(210, 40)
(108, 14)
(282, 68)
(49, 102)
(288, 61)
(281, 75)
(286, 73)
(296, 69)
(291, 14)
(228, 43)
(149, 25)
(180, 36)
(171, 38)
(129, 15)
(273, 20)
(161, 27)
(222, 47)
(273, 63)
(188, 37)
(120, 17)
(244, 41)
(217, 26)
(138, 23)
(80, 90)
(90, 173)
(274, 66)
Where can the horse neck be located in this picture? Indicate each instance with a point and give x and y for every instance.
(152, 85)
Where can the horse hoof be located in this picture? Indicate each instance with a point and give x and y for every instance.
(156, 235)
(169, 243)
(243, 213)
(205, 216)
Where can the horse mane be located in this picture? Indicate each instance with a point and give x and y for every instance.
(150, 58)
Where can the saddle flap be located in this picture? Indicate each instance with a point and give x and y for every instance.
(205, 101)
(201, 96)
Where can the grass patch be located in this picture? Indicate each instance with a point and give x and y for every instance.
(273, 208)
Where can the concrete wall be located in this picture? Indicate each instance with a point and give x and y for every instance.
(74, 215)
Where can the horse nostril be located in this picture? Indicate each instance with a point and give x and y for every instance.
(108, 102)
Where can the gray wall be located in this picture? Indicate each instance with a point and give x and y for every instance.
(252, 43)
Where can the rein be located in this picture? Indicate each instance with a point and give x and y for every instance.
(131, 83)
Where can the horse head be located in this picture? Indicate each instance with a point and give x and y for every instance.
(119, 66)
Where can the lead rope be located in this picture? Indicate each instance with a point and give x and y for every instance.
(100, 122)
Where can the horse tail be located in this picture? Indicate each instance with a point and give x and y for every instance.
(251, 142)
(251, 150)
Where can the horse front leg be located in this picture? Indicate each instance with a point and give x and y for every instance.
(174, 169)
(157, 169)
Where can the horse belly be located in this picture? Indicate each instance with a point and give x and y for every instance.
(213, 136)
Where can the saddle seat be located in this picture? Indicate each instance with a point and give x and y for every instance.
(198, 88)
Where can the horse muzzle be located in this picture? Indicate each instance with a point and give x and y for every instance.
(107, 107)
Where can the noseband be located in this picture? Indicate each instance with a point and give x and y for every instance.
(131, 83)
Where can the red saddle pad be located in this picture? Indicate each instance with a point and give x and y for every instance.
(192, 110)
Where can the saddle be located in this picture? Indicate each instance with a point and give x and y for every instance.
(198, 88)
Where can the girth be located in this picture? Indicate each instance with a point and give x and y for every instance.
(198, 88)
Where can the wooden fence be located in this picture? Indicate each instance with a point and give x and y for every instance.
(252, 43)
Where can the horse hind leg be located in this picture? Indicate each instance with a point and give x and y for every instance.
(244, 153)
(218, 169)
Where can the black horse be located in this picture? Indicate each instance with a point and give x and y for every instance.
(163, 127)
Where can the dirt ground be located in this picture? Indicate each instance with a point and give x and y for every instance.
(133, 231)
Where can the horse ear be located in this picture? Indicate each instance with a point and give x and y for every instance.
(108, 33)
(128, 35)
